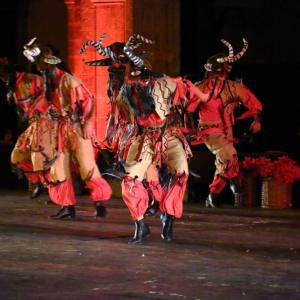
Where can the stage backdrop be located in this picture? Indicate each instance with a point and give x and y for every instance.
(89, 19)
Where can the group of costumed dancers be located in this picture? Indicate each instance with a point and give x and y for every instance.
(151, 115)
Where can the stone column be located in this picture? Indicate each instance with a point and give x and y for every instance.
(88, 20)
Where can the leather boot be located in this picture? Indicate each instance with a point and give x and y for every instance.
(100, 211)
(236, 188)
(65, 212)
(152, 208)
(167, 226)
(141, 230)
(35, 189)
(211, 200)
(235, 185)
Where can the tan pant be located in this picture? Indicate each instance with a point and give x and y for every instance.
(176, 159)
(134, 193)
(226, 161)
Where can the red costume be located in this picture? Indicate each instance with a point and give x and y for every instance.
(148, 101)
(25, 91)
(72, 108)
(119, 132)
(216, 120)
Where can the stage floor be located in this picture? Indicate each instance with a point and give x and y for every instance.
(216, 254)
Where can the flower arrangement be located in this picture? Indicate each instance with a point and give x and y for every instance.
(284, 168)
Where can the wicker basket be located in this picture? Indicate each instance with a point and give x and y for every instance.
(276, 194)
(251, 187)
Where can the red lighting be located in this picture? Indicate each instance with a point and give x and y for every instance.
(88, 20)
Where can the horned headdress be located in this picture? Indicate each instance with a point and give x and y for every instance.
(33, 52)
(121, 53)
(115, 51)
(218, 64)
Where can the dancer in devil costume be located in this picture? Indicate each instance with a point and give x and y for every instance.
(117, 131)
(216, 120)
(149, 101)
(25, 93)
(120, 133)
(72, 106)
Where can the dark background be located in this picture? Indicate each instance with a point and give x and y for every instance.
(269, 68)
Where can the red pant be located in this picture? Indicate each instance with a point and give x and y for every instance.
(226, 160)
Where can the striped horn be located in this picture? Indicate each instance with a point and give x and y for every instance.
(241, 53)
(97, 45)
(129, 46)
(105, 51)
(229, 57)
(147, 41)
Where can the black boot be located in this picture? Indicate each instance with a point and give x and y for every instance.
(211, 200)
(141, 230)
(236, 188)
(100, 211)
(35, 189)
(65, 212)
(167, 226)
(152, 208)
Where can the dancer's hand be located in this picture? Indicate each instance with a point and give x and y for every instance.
(88, 130)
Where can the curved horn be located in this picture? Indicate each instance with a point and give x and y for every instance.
(31, 50)
(92, 43)
(129, 46)
(30, 42)
(230, 55)
(105, 51)
(241, 53)
(98, 45)
(29, 54)
(138, 36)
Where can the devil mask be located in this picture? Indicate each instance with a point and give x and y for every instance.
(218, 65)
(40, 54)
(121, 60)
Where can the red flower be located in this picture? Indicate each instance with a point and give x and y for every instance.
(284, 168)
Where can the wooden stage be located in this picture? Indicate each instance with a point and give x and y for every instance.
(216, 254)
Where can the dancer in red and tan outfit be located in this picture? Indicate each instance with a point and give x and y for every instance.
(120, 133)
(25, 92)
(216, 120)
(72, 106)
(148, 100)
